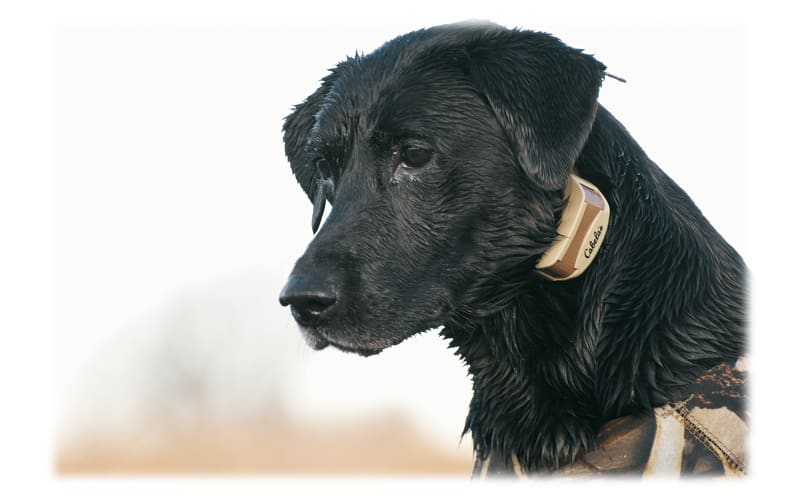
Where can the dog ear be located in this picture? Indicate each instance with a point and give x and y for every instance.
(296, 130)
(544, 95)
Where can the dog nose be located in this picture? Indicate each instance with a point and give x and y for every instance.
(309, 299)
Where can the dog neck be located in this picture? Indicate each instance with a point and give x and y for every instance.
(558, 359)
(525, 373)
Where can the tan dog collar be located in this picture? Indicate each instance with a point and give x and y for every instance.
(583, 227)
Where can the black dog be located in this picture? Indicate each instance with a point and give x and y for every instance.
(444, 155)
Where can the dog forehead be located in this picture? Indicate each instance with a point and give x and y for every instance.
(400, 79)
(354, 92)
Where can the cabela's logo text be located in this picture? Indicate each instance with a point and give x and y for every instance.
(587, 252)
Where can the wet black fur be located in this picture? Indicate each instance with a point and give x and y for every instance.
(507, 113)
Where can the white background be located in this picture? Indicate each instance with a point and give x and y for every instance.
(145, 166)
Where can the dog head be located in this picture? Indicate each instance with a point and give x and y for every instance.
(443, 155)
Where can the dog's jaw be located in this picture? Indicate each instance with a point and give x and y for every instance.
(317, 340)
(314, 340)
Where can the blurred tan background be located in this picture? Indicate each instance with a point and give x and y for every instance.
(177, 220)
(207, 384)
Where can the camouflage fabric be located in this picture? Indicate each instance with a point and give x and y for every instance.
(703, 434)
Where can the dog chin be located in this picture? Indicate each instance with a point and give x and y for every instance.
(314, 340)
(318, 340)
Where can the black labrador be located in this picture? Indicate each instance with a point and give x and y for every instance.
(445, 155)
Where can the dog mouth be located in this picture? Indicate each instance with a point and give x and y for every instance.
(314, 340)
(318, 339)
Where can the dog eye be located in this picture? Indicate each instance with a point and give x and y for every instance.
(323, 167)
(415, 157)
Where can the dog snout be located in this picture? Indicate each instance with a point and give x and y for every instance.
(310, 297)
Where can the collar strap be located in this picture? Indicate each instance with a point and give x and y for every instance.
(582, 230)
